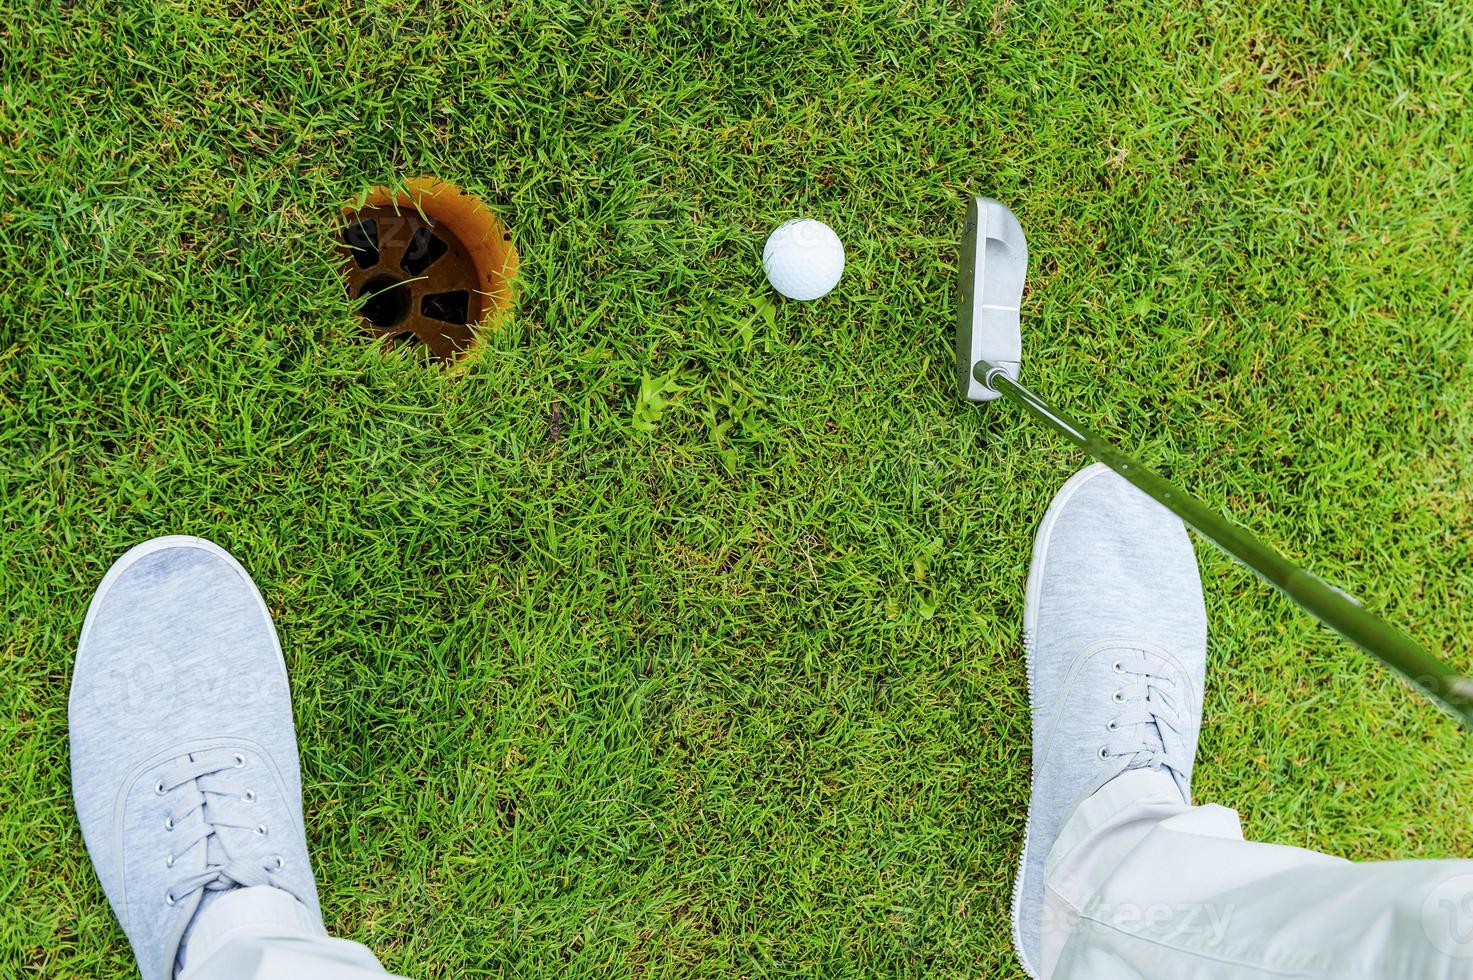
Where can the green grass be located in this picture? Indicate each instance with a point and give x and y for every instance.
(741, 696)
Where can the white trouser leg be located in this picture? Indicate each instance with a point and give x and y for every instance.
(265, 934)
(1143, 887)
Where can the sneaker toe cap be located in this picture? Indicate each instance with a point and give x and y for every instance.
(1118, 565)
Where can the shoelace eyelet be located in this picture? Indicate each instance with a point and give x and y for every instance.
(169, 861)
(158, 788)
(1104, 753)
(169, 824)
(249, 796)
(170, 900)
(239, 761)
(1118, 667)
(1112, 726)
(261, 830)
(280, 863)
(1118, 697)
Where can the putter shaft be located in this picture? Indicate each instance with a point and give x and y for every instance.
(1441, 684)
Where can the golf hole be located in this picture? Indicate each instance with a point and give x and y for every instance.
(429, 265)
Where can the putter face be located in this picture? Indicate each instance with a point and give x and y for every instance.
(992, 266)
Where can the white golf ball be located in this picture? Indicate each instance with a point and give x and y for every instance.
(803, 259)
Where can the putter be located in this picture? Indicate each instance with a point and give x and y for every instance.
(993, 262)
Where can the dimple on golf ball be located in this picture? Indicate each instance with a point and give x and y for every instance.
(803, 259)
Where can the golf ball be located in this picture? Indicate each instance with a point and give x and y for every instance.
(803, 259)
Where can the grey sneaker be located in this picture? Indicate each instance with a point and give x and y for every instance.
(1116, 634)
(184, 757)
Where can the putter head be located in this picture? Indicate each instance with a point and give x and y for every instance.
(993, 263)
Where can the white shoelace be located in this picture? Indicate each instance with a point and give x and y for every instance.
(212, 803)
(1148, 725)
